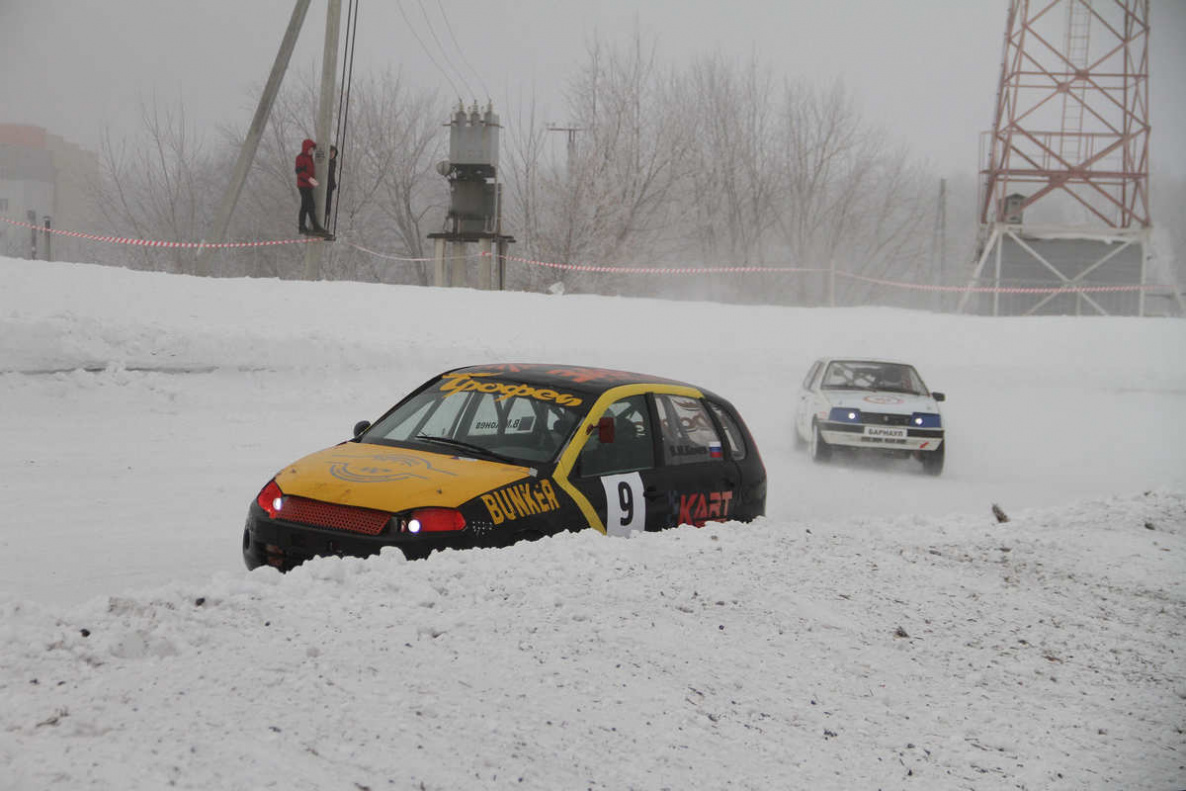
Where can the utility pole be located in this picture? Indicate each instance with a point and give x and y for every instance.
(572, 141)
(939, 239)
(254, 133)
(329, 70)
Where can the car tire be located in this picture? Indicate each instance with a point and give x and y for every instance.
(821, 451)
(932, 461)
(800, 443)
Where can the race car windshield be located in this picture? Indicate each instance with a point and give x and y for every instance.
(484, 418)
(867, 375)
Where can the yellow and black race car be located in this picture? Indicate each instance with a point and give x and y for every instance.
(493, 454)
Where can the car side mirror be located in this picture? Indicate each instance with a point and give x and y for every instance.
(939, 396)
(360, 427)
(605, 430)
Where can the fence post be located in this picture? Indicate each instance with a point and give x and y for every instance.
(32, 215)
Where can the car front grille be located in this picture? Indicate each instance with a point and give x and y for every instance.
(334, 516)
(884, 419)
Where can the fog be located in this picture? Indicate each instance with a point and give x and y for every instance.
(924, 70)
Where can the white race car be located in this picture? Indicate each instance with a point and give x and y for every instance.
(879, 406)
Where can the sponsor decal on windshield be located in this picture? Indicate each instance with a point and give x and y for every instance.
(520, 500)
(477, 382)
(576, 375)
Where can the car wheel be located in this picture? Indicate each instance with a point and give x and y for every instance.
(821, 451)
(932, 461)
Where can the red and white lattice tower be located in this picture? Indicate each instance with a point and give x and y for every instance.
(1064, 193)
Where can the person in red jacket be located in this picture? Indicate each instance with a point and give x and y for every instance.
(305, 184)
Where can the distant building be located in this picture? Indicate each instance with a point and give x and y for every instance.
(43, 176)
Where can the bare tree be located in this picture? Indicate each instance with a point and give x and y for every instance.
(712, 165)
(730, 198)
(524, 170)
(394, 195)
(613, 200)
(850, 202)
(716, 166)
(155, 187)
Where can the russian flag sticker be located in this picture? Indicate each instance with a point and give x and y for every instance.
(714, 451)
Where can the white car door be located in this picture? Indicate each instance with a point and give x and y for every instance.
(807, 398)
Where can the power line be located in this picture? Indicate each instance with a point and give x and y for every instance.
(344, 101)
(399, 4)
(444, 54)
(465, 60)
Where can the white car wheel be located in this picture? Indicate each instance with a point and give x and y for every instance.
(932, 461)
(821, 451)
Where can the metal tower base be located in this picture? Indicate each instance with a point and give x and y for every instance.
(1026, 270)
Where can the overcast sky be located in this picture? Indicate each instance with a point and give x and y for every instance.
(924, 70)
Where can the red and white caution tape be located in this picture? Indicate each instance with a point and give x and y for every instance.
(1068, 288)
(624, 270)
(157, 243)
(708, 270)
(657, 270)
(387, 257)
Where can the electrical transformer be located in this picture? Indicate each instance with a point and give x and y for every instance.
(472, 171)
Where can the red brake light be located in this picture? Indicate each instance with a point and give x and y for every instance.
(271, 499)
(435, 520)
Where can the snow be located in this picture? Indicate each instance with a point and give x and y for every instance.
(878, 629)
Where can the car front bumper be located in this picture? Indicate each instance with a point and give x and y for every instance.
(285, 545)
(865, 437)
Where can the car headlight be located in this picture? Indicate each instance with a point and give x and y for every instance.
(843, 415)
(271, 499)
(925, 420)
(433, 520)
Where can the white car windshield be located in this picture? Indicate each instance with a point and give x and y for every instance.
(871, 375)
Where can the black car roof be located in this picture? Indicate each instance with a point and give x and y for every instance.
(568, 377)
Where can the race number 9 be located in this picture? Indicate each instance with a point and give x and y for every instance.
(625, 507)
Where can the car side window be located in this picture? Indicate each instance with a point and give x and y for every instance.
(732, 431)
(688, 433)
(633, 447)
(811, 375)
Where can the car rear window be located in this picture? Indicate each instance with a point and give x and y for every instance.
(732, 431)
(689, 436)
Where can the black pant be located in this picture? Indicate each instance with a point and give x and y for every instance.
(329, 202)
(307, 209)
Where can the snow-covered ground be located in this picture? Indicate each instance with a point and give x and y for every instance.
(878, 629)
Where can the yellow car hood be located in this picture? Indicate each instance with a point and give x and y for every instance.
(393, 479)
